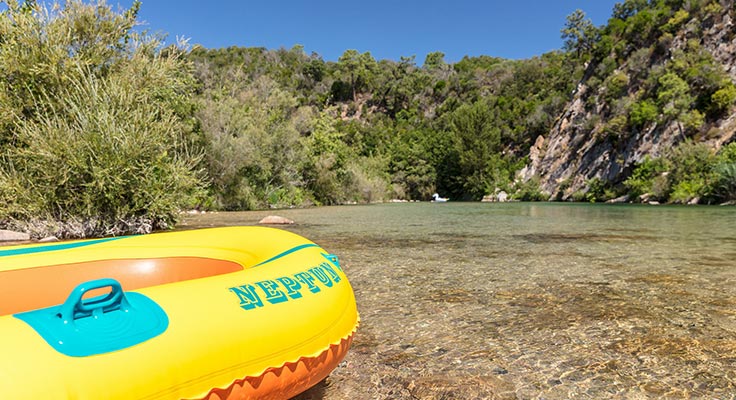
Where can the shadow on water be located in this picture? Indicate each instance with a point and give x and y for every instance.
(508, 301)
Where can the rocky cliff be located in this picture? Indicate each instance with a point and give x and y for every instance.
(580, 148)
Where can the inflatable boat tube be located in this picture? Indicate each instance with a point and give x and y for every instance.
(221, 313)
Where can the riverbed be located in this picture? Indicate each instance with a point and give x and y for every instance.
(529, 300)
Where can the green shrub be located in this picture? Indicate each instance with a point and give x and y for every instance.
(684, 191)
(724, 182)
(690, 162)
(616, 127)
(713, 8)
(723, 98)
(369, 182)
(676, 21)
(598, 191)
(616, 86)
(106, 155)
(723, 177)
(643, 178)
(643, 113)
(529, 191)
(727, 153)
(579, 196)
(96, 134)
(692, 120)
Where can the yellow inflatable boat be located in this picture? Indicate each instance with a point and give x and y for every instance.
(221, 313)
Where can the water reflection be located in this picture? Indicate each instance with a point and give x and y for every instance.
(463, 301)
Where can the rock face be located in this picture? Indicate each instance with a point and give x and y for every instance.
(275, 220)
(11, 236)
(576, 150)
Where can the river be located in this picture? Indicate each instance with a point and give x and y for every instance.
(529, 300)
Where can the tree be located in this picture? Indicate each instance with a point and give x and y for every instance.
(358, 69)
(579, 33)
(628, 8)
(326, 172)
(254, 147)
(673, 95)
(479, 145)
(435, 60)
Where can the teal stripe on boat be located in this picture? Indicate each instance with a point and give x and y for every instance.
(287, 252)
(54, 247)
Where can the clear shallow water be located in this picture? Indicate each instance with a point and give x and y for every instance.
(530, 300)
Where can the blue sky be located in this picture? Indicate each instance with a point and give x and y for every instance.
(387, 29)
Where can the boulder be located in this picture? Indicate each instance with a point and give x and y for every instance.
(498, 196)
(621, 199)
(275, 220)
(11, 236)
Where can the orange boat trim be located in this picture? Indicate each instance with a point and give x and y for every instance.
(288, 380)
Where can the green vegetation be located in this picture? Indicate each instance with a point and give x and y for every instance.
(360, 130)
(647, 70)
(689, 171)
(666, 81)
(96, 136)
(105, 131)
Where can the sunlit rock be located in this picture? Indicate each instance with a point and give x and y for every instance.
(620, 199)
(12, 236)
(275, 220)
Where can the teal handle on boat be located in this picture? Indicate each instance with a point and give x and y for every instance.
(76, 306)
(111, 322)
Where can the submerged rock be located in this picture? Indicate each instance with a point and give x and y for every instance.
(12, 236)
(275, 220)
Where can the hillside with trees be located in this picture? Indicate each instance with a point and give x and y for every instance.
(653, 117)
(357, 130)
(104, 130)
